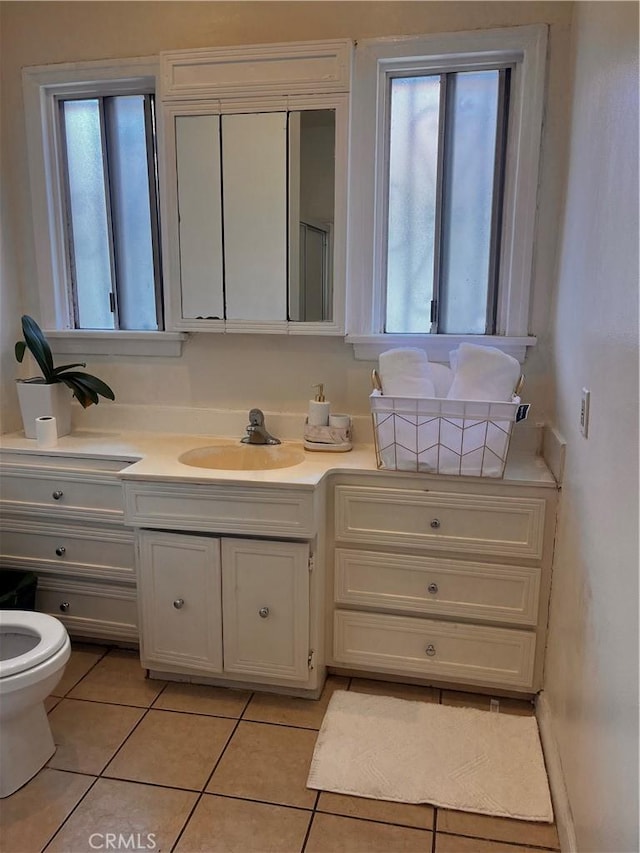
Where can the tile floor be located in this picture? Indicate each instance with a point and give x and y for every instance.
(177, 767)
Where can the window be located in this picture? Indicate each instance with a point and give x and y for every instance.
(108, 167)
(444, 167)
(93, 171)
(444, 200)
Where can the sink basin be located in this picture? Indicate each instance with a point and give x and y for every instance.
(243, 457)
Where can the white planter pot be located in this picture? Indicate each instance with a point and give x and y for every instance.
(38, 400)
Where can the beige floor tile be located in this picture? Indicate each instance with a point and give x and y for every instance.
(168, 748)
(125, 808)
(50, 703)
(33, 814)
(412, 692)
(380, 810)
(266, 762)
(118, 678)
(459, 844)
(498, 828)
(241, 826)
(201, 699)
(333, 834)
(83, 658)
(291, 711)
(520, 707)
(87, 734)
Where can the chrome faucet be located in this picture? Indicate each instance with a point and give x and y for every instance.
(257, 431)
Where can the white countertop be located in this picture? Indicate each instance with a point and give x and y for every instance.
(154, 456)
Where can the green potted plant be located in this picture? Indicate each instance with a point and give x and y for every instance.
(50, 394)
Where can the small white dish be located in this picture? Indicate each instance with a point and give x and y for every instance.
(340, 421)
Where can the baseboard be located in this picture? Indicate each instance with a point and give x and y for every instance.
(559, 795)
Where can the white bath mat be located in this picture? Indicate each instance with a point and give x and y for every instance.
(417, 752)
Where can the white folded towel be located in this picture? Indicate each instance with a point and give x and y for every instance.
(442, 376)
(483, 373)
(406, 372)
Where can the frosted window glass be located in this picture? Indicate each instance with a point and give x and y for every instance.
(413, 161)
(88, 213)
(131, 212)
(468, 200)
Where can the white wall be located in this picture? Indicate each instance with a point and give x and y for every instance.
(230, 371)
(591, 676)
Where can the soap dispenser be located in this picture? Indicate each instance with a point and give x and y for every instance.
(319, 408)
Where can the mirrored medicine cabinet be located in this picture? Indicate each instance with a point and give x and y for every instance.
(257, 240)
(253, 179)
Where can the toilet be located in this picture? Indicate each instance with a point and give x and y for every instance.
(34, 650)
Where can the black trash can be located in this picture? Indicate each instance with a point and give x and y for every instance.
(17, 590)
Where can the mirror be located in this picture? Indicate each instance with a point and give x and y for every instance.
(312, 135)
(255, 195)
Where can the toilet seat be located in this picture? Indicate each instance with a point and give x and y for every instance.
(51, 633)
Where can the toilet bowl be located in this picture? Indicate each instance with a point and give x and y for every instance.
(34, 649)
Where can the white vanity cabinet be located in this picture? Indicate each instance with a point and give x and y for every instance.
(446, 582)
(62, 518)
(253, 182)
(238, 607)
(217, 606)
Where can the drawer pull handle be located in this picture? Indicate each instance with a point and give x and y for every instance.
(435, 523)
(57, 495)
(178, 603)
(430, 650)
(432, 588)
(264, 612)
(61, 550)
(64, 606)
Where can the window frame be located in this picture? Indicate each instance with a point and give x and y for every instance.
(42, 88)
(524, 48)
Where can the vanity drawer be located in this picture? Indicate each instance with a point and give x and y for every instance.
(90, 610)
(100, 552)
(66, 495)
(220, 509)
(441, 587)
(442, 651)
(478, 524)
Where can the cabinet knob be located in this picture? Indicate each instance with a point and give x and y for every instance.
(432, 588)
(61, 550)
(435, 523)
(430, 650)
(57, 495)
(178, 603)
(64, 606)
(264, 612)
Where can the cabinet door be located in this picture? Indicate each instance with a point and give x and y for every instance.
(200, 215)
(254, 168)
(179, 594)
(265, 594)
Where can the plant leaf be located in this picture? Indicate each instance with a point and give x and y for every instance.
(89, 382)
(20, 349)
(63, 367)
(37, 343)
(83, 394)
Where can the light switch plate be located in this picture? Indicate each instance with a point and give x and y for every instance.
(584, 412)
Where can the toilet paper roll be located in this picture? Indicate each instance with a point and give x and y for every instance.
(46, 431)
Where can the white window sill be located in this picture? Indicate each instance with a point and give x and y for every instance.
(86, 342)
(437, 347)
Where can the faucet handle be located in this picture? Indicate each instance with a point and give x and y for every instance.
(256, 417)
